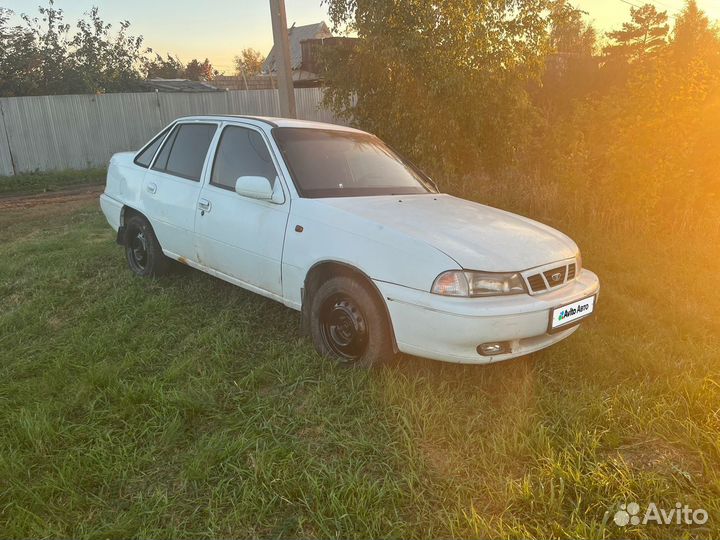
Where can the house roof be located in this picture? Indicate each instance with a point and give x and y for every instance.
(296, 34)
(178, 85)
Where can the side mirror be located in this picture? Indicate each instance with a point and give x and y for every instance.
(255, 187)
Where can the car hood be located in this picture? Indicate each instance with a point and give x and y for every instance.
(476, 236)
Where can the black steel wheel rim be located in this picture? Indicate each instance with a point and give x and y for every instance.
(343, 327)
(138, 248)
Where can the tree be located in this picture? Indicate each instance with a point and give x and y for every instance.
(692, 34)
(249, 62)
(445, 82)
(199, 71)
(648, 143)
(569, 33)
(52, 71)
(169, 67)
(104, 63)
(640, 38)
(571, 71)
(19, 59)
(44, 56)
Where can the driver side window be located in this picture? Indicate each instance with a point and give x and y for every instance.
(241, 152)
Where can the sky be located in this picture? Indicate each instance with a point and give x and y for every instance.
(610, 14)
(214, 29)
(220, 29)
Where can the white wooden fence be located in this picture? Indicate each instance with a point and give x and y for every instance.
(44, 133)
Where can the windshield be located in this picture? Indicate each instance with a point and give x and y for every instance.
(329, 163)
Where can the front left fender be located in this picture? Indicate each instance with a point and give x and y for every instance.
(317, 233)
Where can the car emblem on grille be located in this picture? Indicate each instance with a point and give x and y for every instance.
(556, 276)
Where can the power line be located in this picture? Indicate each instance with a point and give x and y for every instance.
(663, 5)
(673, 15)
(629, 3)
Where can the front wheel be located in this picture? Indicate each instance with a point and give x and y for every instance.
(349, 324)
(142, 249)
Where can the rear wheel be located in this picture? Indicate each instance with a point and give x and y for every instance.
(142, 249)
(348, 323)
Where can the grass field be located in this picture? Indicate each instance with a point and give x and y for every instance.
(186, 407)
(48, 182)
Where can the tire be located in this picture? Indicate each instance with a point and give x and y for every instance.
(142, 249)
(349, 324)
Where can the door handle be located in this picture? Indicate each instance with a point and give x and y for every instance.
(204, 205)
(152, 187)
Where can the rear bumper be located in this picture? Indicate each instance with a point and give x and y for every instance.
(450, 329)
(112, 208)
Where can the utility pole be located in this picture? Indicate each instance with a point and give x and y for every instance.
(282, 59)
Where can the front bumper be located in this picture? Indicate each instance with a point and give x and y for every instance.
(450, 329)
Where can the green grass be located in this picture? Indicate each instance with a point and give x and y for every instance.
(28, 183)
(186, 407)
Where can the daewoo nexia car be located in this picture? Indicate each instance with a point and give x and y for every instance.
(330, 221)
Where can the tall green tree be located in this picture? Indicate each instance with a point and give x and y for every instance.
(640, 38)
(569, 32)
(46, 56)
(445, 82)
(648, 145)
(693, 35)
(52, 70)
(105, 62)
(571, 69)
(19, 58)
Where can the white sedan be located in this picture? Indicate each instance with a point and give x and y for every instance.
(330, 221)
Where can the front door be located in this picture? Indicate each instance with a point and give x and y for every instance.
(236, 235)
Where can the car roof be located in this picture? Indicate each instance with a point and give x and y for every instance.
(273, 121)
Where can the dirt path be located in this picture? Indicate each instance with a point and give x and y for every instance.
(55, 197)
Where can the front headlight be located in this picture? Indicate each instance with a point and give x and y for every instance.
(469, 283)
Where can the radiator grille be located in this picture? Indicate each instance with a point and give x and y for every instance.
(552, 278)
(555, 276)
(536, 283)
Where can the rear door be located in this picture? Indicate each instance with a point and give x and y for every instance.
(172, 186)
(236, 235)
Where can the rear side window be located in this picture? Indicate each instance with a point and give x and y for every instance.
(184, 151)
(162, 159)
(241, 152)
(144, 158)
